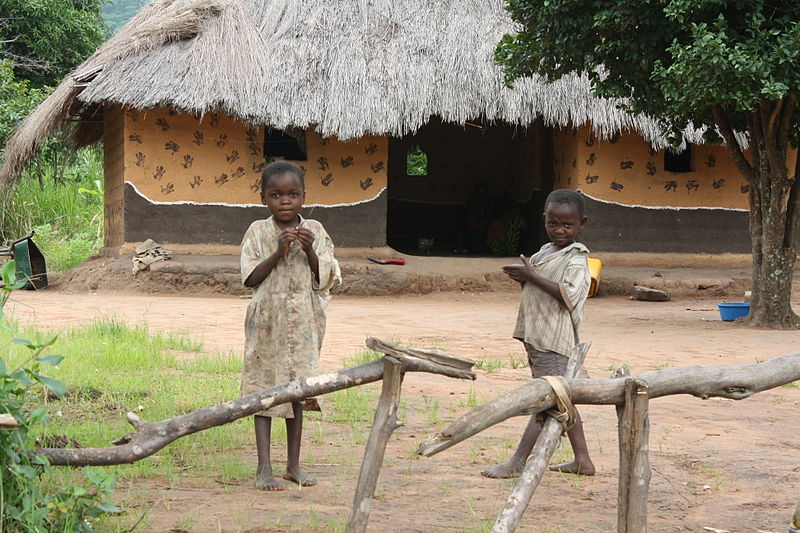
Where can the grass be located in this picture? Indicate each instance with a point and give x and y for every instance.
(361, 357)
(431, 409)
(516, 362)
(488, 365)
(718, 479)
(111, 368)
(67, 217)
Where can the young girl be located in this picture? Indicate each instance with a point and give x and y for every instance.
(289, 261)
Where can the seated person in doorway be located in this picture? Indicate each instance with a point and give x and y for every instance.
(506, 232)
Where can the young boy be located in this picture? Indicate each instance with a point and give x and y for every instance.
(289, 261)
(555, 284)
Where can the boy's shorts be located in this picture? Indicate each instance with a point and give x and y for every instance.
(548, 363)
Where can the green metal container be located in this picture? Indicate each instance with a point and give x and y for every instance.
(31, 266)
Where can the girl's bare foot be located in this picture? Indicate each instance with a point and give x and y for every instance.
(509, 469)
(575, 467)
(268, 483)
(298, 476)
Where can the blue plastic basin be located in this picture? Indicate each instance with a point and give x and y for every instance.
(732, 310)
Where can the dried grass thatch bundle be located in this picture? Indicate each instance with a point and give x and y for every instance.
(345, 68)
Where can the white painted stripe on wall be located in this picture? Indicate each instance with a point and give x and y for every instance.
(224, 204)
(665, 207)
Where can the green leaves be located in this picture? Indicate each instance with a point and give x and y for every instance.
(38, 31)
(50, 359)
(25, 505)
(671, 59)
(55, 386)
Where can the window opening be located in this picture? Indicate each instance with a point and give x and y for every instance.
(678, 161)
(416, 162)
(286, 144)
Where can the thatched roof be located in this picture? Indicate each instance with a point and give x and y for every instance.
(345, 68)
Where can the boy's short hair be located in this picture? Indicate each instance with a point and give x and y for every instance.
(567, 196)
(278, 168)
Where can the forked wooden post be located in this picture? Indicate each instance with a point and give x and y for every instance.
(634, 464)
(382, 427)
(538, 459)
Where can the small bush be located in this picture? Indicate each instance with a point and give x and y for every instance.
(25, 506)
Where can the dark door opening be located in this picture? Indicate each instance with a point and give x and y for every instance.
(470, 188)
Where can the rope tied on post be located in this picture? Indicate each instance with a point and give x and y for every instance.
(564, 412)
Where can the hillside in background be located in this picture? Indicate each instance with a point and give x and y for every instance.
(117, 12)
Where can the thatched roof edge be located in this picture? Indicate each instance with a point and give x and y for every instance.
(143, 32)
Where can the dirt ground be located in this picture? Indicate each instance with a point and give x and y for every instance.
(717, 463)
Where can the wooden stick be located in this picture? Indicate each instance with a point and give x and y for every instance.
(736, 382)
(634, 464)
(149, 437)
(384, 424)
(428, 354)
(538, 459)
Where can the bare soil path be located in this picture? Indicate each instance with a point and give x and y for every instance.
(719, 463)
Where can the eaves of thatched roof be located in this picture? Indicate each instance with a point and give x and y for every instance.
(347, 68)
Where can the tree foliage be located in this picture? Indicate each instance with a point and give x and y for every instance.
(671, 59)
(47, 38)
(17, 101)
(732, 66)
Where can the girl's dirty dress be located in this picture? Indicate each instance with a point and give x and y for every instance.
(285, 321)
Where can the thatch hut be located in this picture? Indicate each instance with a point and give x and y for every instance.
(192, 96)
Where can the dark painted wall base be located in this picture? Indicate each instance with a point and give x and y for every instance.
(353, 226)
(617, 228)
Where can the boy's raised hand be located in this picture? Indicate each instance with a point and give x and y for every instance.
(520, 273)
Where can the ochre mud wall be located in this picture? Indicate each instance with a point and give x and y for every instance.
(635, 205)
(215, 159)
(626, 170)
(197, 180)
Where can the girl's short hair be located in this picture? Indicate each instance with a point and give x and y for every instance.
(278, 168)
(567, 196)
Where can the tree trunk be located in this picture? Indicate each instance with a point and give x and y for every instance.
(772, 222)
(773, 207)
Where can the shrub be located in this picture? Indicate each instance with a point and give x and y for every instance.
(24, 506)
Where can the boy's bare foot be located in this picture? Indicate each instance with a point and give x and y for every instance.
(268, 483)
(299, 477)
(575, 467)
(507, 470)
